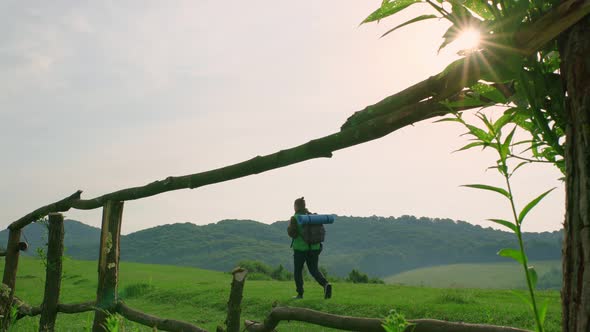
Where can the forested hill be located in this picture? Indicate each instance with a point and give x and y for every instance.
(375, 245)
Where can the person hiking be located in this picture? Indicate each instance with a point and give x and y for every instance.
(304, 252)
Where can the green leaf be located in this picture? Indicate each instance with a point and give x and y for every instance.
(490, 188)
(414, 20)
(470, 145)
(531, 205)
(533, 275)
(488, 124)
(505, 223)
(502, 121)
(448, 120)
(449, 36)
(519, 166)
(466, 102)
(478, 7)
(505, 148)
(389, 8)
(460, 15)
(479, 133)
(511, 253)
(495, 96)
(505, 70)
(482, 88)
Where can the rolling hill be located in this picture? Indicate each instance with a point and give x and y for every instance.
(505, 275)
(376, 245)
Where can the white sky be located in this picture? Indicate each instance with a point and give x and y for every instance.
(100, 96)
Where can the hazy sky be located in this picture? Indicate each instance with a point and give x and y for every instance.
(103, 95)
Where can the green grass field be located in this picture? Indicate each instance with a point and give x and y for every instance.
(507, 275)
(200, 297)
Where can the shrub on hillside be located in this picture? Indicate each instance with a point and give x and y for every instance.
(255, 267)
(258, 276)
(551, 280)
(260, 271)
(136, 290)
(280, 273)
(357, 277)
(456, 296)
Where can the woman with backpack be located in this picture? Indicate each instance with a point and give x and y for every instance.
(306, 251)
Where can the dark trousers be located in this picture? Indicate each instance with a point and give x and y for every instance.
(310, 257)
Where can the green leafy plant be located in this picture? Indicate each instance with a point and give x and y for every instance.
(112, 323)
(529, 87)
(396, 322)
(493, 138)
(13, 318)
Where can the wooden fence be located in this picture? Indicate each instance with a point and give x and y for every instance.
(416, 103)
(107, 301)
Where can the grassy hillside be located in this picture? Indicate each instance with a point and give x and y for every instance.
(488, 275)
(200, 297)
(375, 245)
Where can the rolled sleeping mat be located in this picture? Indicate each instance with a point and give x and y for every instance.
(303, 219)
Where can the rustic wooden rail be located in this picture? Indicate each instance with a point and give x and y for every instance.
(416, 103)
(106, 302)
(349, 323)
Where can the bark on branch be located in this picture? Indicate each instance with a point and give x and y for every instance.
(348, 323)
(59, 206)
(25, 309)
(74, 308)
(156, 322)
(464, 71)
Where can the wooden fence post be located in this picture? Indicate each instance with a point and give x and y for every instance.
(108, 263)
(9, 279)
(234, 309)
(55, 251)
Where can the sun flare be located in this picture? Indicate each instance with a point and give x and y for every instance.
(468, 39)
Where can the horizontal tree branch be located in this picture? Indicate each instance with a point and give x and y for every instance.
(59, 206)
(348, 323)
(156, 322)
(466, 70)
(25, 309)
(317, 148)
(74, 308)
(551, 25)
(416, 103)
(394, 111)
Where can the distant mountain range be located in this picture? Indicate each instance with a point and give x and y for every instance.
(375, 245)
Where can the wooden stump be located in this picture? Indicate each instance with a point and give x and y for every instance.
(55, 250)
(9, 279)
(108, 263)
(234, 309)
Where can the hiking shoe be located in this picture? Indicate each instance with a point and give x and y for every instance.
(327, 291)
(297, 297)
